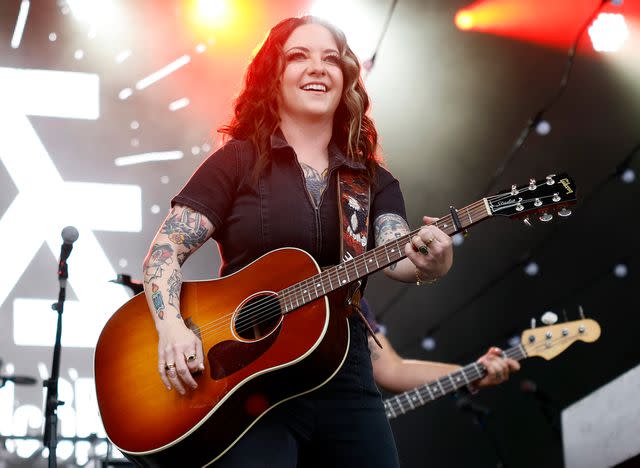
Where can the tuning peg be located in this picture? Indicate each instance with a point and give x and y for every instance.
(514, 190)
(527, 221)
(549, 318)
(533, 322)
(546, 217)
(537, 202)
(532, 184)
(581, 312)
(564, 212)
(556, 197)
(550, 180)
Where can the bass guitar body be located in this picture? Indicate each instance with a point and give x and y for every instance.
(257, 355)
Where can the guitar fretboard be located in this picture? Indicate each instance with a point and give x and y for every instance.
(376, 259)
(419, 396)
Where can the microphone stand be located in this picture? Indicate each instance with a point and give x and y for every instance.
(50, 438)
(480, 416)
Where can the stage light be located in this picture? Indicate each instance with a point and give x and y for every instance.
(543, 128)
(628, 176)
(608, 32)
(458, 239)
(361, 34)
(428, 343)
(620, 270)
(125, 93)
(178, 104)
(514, 341)
(212, 10)
(532, 269)
(464, 20)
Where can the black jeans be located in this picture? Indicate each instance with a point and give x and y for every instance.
(342, 424)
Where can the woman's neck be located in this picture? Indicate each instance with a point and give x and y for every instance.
(308, 139)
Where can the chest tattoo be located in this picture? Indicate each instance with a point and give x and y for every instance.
(316, 182)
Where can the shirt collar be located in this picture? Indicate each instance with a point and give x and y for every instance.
(336, 157)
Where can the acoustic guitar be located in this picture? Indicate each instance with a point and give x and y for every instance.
(271, 331)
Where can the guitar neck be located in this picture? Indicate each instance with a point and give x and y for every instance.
(419, 396)
(376, 259)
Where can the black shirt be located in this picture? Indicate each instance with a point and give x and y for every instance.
(252, 218)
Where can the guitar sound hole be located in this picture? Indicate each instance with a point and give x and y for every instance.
(258, 317)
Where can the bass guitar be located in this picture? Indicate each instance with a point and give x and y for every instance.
(546, 342)
(274, 330)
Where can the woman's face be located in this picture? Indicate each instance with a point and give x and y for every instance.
(311, 84)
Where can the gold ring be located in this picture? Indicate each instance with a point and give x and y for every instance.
(429, 241)
(191, 357)
(170, 366)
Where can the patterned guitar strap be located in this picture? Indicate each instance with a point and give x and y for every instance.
(354, 197)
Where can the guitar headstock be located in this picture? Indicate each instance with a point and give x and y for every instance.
(542, 197)
(550, 340)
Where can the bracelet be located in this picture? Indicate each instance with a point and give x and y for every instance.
(420, 281)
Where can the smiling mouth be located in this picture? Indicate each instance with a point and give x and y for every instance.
(317, 87)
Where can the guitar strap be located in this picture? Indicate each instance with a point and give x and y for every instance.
(354, 199)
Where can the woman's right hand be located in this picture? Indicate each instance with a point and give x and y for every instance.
(179, 355)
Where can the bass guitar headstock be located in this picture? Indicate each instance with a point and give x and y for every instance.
(550, 340)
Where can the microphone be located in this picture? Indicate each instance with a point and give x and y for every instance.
(69, 236)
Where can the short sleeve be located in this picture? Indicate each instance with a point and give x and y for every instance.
(388, 196)
(212, 187)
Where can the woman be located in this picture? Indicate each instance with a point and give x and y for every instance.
(300, 116)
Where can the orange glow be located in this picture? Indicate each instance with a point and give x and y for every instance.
(225, 21)
(464, 20)
(551, 23)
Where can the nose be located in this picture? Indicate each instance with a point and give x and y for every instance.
(316, 66)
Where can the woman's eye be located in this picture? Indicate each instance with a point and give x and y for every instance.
(295, 56)
(332, 59)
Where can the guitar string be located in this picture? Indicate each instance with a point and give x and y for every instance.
(265, 310)
(445, 382)
(260, 307)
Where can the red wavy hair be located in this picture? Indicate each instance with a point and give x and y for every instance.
(256, 107)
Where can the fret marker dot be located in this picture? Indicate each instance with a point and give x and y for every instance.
(393, 250)
(344, 281)
(318, 285)
(304, 291)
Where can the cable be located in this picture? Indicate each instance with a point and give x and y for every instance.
(367, 65)
(533, 121)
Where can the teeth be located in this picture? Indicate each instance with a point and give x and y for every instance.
(315, 87)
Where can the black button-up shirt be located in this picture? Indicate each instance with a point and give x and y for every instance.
(252, 218)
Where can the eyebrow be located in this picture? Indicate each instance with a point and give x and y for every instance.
(307, 50)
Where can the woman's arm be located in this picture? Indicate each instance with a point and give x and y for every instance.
(182, 233)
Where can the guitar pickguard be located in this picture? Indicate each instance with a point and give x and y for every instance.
(230, 356)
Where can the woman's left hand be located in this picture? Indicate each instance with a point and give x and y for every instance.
(431, 251)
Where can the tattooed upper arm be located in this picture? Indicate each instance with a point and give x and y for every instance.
(187, 230)
(388, 227)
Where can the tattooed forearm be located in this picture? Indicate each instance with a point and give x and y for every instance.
(175, 283)
(388, 227)
(316, 182)
(158, 302)
(159, 257)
